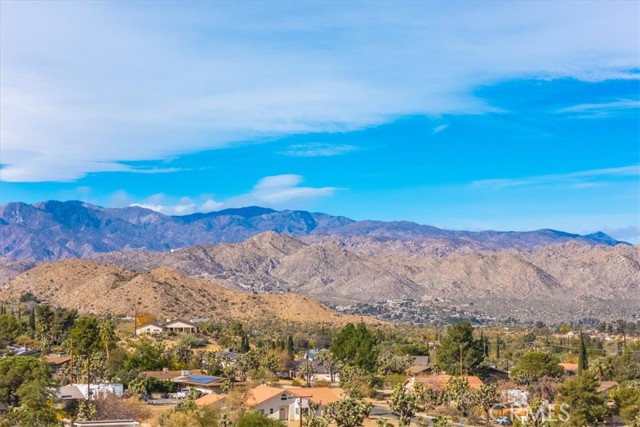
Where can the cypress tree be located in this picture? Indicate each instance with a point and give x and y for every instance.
(583, 363)
(290, 345)
(32, 319)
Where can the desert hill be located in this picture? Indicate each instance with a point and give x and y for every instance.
(163, 292)
(568, 281)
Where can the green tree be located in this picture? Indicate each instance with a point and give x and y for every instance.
(329, 361)
(355, 345)
(146, 356)
(403, 404)
(108, 336)
(254, 419)
(44, 324)
(25, 384)
(583, 362)
(10, 328)
(349, 412)
(627, 400)
(583, 402)
(84, 338)
(535, 365)
(459, 341)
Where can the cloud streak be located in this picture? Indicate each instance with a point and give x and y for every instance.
(318, 149)
(582, 179)
(89, 86)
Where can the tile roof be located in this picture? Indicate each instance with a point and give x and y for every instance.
(323, 395)
(263, 393)
(167, 375)
(210, 399)
(57, 359)
(439, 382)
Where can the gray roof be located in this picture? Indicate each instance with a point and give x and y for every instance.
(70, 392)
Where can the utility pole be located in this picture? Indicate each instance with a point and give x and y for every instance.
(135, 321)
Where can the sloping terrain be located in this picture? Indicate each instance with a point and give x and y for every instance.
(560, 280)
(163, 292)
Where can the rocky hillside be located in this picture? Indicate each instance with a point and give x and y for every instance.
(568, 281)
(58, 230)
(99, 288)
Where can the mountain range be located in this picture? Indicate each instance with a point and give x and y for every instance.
(538, 275)
(54, 230)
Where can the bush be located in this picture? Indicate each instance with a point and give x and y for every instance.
(323, 383)
(254, 419)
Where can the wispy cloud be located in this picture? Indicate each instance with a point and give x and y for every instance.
(440, 128)
(280, 191)
(603, 109)
(85, 90)
(582, 179)
(318, 149)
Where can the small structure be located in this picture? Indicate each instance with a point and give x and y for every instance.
(57, 361)
(215, 400)
(168, 375)
(438, 383)
(149, 328)
(176, 326)
(204, 383)
(420, 366)
(181, 327)
(116, 389)
(277, 403)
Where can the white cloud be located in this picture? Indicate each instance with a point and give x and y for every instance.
(89, 86)
(439, 129)
(279, 191)
(580, 179)
(318, 149)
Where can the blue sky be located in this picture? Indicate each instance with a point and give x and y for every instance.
(475, 115)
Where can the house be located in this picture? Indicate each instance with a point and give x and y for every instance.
(438, 383)
(168, 375)
(116, 389)
(277, 403)
(492, 375)
(149, 328)
(181, 327)
(215, 400)
(204, 383)
(176, 326)
(319, 372)
(57, 361)
(21, 350)
(420, 366)
(321, 396)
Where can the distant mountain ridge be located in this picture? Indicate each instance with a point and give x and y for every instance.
(53, 230)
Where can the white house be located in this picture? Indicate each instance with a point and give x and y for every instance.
(116, 389)
(277, 403)
(149, 328)
(181, 326)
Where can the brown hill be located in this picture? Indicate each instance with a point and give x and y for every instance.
(568, 281)
(163, 292)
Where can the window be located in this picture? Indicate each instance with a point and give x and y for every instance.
(271, 411)
(261, 411)
(283, 396)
